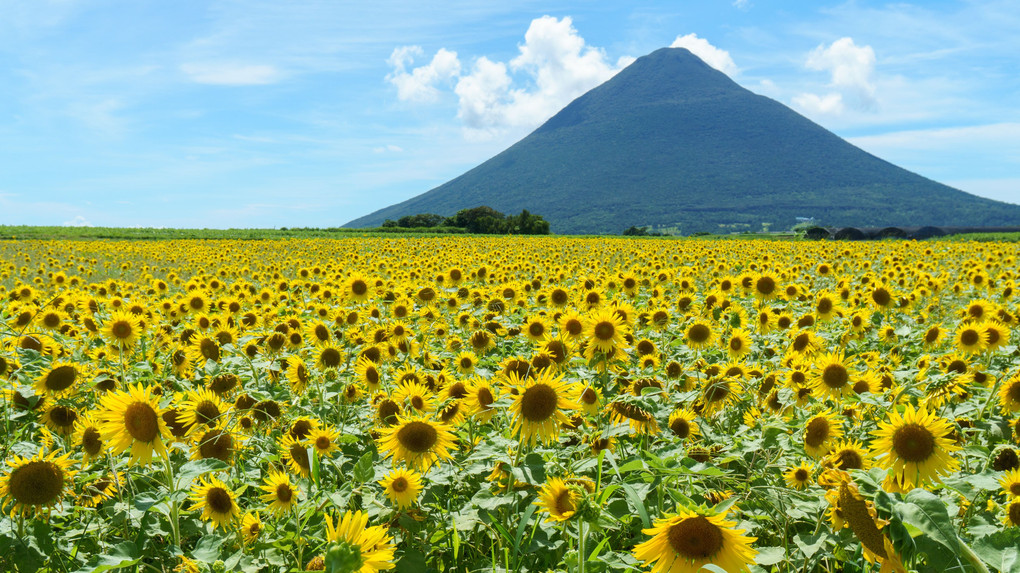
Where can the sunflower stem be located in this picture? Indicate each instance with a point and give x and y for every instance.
(581, 557)
(972, 557)
(175, 520)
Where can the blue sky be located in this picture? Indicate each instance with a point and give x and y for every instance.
(312, 113)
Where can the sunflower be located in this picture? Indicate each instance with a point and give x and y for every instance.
(589, 399)
(358, 288)
(251, 528)
(60, 379)
(717, 393)
(466, 362)
(368, 372)
(417, 441)
(369, 549)
(1010, 483)
(216, 443)
(201, 407)
(689, 540)
(538, 407)
(558, 499)
(682, 424)
(604, 331)
(31, 484)
(698, 334)
(640, 420)
(738, 344)
(572, 326)
(297, 375)
(849, 455)
(1009, 395)
(916, 448)
(995, 333)
(204, 349)
(798, 477)
(101, 489)
(1011, 518)
(536, 329)
(766, 287)
(832, 377)
(860, 515)
(122, 329)
(970, 338)
(59, 419)
(820, 432)
(133, 419)
(402, 487)
(216, 501)
(280, 494)
(324, 440)
(330, 357)
(480, 397)
(416, 396)
(826, 306)
(295, 454)
(88, 435)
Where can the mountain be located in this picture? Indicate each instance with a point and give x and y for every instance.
(673, 143)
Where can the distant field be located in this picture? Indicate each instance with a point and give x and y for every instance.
(8, 232)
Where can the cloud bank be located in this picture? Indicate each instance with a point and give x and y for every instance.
(850, 69)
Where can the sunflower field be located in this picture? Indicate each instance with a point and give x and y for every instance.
(509, 404)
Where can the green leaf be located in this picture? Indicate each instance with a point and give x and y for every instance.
(999, 550)
(413, 561)
(124, 554)
(638, 504)
(770, 555)
(810, 544)
(191, 470)
(923, 510)
(364, 470)
(208, 548)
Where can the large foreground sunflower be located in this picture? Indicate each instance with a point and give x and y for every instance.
(417, 441)
(686, 542)
(915, 447)
(132, 419)
(537, 409)
(365, 549)
(34, 483)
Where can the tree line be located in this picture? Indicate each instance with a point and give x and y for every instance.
(481, 220)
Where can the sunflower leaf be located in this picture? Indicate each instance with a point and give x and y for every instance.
(925, 511)
(770, 555)
(364, 470)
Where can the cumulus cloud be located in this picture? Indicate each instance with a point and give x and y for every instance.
(850, 70)
(553, 66)
(718, 59)
(78, 221)
(420, 84)
(223, 74)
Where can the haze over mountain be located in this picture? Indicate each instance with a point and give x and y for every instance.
(672, 143)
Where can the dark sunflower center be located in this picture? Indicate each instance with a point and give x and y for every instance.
(817, 432)
(417, 402)
(631, 411)
(563, 503)
(284, 493)
(913, 443)
(765, 285)
(1014, 512)
(932, 335)
(559, 297)
(418, 437)
(835, 376)
(359, 287)
(485, 397)
(206, 412)
(698, 333)
(645, 347)
(681, 428)
(605, 330)
(969, 337)
(141, 422)
(218, 500)
(36, 483)
(824, 306)
(323, 443)
(850, 460)
(61, 378)
(299, 454)
(122, 329)
(695, 538)
(881, 297)
(62, 416)
(330, 358)
(589, 396)
(538, 402)
(1013, 393)
(536, 329)
(800, 475)
(736, 344)
(216, 444)
(717, 391)
(399, 485)
(300, 429)
(209, 349)
(388, 410)
(90, 440)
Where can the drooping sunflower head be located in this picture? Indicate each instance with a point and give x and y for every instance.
(32, 484)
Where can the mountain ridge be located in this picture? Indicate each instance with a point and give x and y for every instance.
(673, 143)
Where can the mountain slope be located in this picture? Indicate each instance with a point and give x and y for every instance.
(671, 142)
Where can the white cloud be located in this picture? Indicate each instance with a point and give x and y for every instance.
(420, 83)
(813, 104)
(742, 4)
(388, 148)
(78, 221)
(554, 66)
(223, 74)
(850, 69)
(713, 56)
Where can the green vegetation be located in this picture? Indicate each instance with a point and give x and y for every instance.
(671, 143)
(20, 232)
(479, 220)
